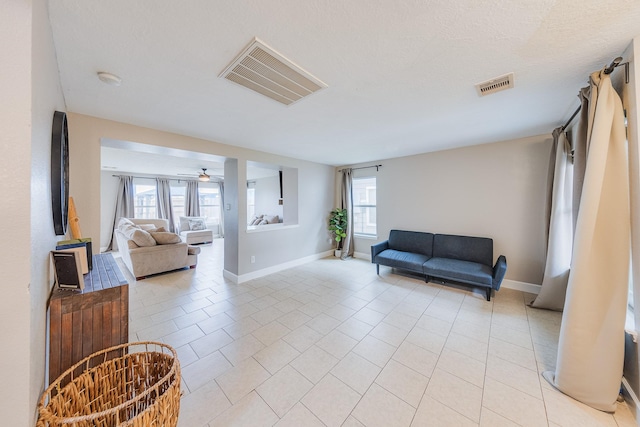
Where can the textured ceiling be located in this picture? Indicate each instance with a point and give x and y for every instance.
(400, 74)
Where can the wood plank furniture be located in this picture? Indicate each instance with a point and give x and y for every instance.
(83, 322)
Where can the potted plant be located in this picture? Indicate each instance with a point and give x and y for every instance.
(338, 228)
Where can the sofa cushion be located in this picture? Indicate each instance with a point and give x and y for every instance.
(401, 259)
(194, 250)
(123, 223)
(455, 269)
(465, 248)
(140, 237)
(165, 237)
(147, 227)
(411, 241)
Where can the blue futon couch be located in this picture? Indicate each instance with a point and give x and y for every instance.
(458, 259)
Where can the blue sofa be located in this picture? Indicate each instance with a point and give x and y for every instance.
(458, 259)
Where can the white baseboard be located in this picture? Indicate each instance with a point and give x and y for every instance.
(521, 286)
(362, 255)
(229, 275)
(274, 269)
(631, 399)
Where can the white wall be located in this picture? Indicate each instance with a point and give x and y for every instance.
(15, 215)
(493, 190)
(31, 93)
(315, 191)
(267, 196)
(309, 237)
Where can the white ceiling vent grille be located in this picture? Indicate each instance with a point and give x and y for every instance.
(495, 85)
(263, 70)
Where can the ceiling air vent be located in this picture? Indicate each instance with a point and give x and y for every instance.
(495, 85)
(263, 70)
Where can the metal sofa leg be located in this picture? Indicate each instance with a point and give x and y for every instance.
(489, 294)
(378, 269)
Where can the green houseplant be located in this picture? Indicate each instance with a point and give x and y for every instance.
(338, 227)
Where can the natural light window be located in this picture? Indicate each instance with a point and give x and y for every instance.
(209, 197)
(144, 201)
(364, 206)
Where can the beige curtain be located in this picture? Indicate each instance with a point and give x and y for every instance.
(347, 203)
(560, 239)
(191, 200)
(163, 202)
(591, 345)
(124, 206)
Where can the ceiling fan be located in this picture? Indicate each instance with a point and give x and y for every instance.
(202, 176)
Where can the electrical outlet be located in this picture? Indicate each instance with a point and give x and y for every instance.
(253, 259)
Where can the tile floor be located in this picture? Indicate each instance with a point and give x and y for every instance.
(330, 343)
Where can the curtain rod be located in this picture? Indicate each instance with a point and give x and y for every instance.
(617, 62)
(216, 179)
(363, 167)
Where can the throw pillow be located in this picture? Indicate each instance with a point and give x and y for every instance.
(165, 237)
(272, 219)
(197, 224)
(143, 238)
(256, 220)
(160, 229)
(147, 227)
(263, 222)
(139, 237)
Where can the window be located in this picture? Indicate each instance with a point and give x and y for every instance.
(209, 198)
(364, 206)
(144, 200)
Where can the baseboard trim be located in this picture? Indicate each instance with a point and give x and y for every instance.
(229, 275)
(274, 269)
(631, 399)
(521, 286)
(362, 255)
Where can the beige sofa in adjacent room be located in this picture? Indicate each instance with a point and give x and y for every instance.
(193, 230)
(147, 248)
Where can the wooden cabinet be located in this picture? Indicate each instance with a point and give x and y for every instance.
(83, 322)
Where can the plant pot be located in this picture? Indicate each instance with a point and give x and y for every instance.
(337, 253)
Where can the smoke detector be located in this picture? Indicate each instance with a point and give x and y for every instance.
(495, 85)
(263, 70)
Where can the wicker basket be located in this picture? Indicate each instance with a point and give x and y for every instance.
(135, 384)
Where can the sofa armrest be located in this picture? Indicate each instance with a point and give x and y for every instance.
(377, 248)
(499, 271)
